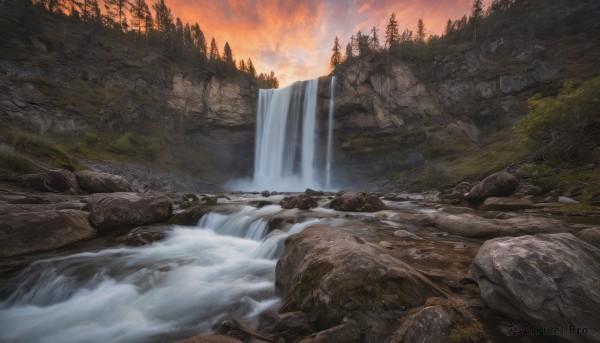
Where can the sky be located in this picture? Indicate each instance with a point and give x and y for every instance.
(294, 38)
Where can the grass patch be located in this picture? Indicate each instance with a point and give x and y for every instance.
(39, 148)
(12, 164)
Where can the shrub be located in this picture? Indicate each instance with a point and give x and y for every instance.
(563, 125)
(90, 138)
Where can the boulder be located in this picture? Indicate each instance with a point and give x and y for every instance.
(506, 204)
(209, 339)
(347, 332)
(546, 279)
(35, 231)
(189, 217)
(357, 202)
(93, 182)
(313, 193)
(123, 210)
(265, 194)
(496, 185)
(590, 236)
(302, 201)
(395, 197)
(470, 225)
(146, 235)
(331, 275)
(52, 181)
(431, 324)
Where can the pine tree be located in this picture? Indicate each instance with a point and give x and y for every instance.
(228, 57)
(407, 36)
(336, 57)
(421, 31)
(117, 11)
(139, 10)
(199, 42)
(164, 18)
(95, 13)
(375, 45)
(213, 56)
(349, 54)
(448, 27)
(476, 16)
(242, 66)
(148, 22)
(391, 32)
(251, 69)
(362, 42)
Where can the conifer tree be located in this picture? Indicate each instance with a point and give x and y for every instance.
(199, 41)
(213, 56)
(448, 27)
(362, 43)
(349, 54)
(228, 57)
(117, 11)
(336, 57)
(139, 11)
(251, 69)
(163, 16)
(375, 45)
(421, 31)
(95, 13)
(476, 16)
(391, 32)
(242, 66)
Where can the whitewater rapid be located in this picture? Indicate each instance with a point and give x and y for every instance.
(181, 286)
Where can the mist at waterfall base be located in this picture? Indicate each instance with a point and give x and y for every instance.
(288, 150)
(176, 288)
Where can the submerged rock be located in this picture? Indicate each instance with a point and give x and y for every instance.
(303, 202)
(496, 185)
(123, 210)
(93, 182)
(35, 231)
(357, 202)
(546, 279)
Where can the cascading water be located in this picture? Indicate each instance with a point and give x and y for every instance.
(286, 155)
(330, 136)
(173, 289)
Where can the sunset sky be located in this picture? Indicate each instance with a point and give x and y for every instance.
(294, 37)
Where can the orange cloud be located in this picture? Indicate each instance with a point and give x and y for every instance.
(294, 37)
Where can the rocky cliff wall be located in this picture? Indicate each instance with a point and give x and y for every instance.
(393, 112)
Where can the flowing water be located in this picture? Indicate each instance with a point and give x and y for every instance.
(329, 156)
(287, 151)
(184, 285)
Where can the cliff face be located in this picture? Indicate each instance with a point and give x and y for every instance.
(57, 85)
(393, 113)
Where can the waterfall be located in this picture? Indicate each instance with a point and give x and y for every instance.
(287, 156)
(330, 136)
(172, 289)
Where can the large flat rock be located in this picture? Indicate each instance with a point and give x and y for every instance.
(123, 210)
(35, 231)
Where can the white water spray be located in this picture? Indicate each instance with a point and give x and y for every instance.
(330, 136)
(173, 289)
(287, 154)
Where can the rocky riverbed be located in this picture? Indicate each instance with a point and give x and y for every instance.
(475, 263)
